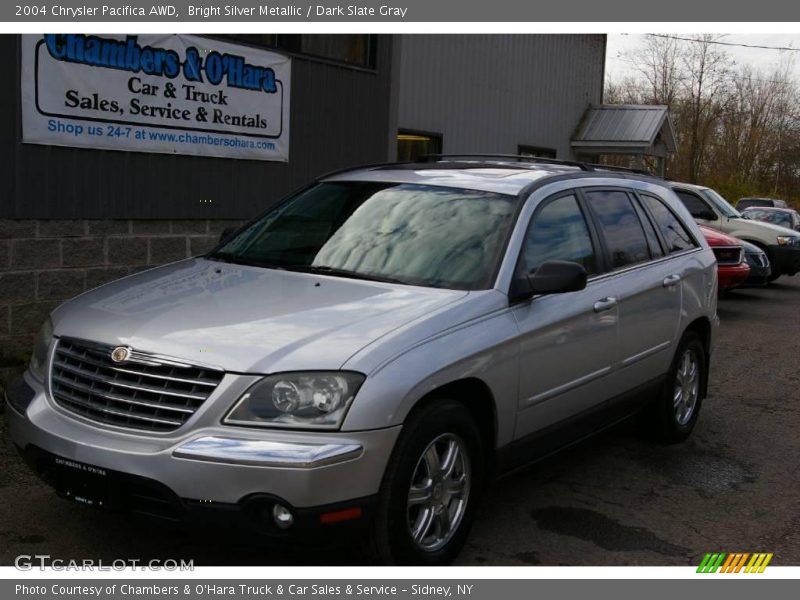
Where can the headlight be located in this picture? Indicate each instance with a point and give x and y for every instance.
(788, 240)
(312, 400)
(38, 366)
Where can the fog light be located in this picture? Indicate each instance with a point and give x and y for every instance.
(283, 516)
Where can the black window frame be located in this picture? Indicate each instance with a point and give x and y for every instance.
(640, 194)
(648, 221)
(607, 257)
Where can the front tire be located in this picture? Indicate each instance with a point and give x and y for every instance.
(431, 486)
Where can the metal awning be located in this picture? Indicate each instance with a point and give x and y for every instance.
(625, 129)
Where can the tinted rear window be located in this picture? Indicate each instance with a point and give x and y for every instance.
(676, 236)
(621, 227)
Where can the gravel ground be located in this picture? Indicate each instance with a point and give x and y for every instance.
(614, 500)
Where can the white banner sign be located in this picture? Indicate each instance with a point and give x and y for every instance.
(174, 94)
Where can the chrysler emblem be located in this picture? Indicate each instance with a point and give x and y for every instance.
(120, 354)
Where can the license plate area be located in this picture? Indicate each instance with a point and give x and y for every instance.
(81, 482)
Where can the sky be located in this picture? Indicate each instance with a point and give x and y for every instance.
(618, 66)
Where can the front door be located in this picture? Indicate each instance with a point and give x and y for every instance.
(567, 340)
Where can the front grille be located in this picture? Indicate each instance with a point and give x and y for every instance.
(757, 260)
(728, 255)
(159, 396)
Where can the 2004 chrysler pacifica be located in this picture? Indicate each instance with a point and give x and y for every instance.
(377, 347)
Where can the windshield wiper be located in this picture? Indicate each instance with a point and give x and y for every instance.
(230, 257)
(336, 272)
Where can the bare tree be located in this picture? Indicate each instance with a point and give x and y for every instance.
(626, 91)
(706, 73)
(659, 62)
(737, 128)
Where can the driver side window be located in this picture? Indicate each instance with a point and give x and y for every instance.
(558, 231)
(697, 207)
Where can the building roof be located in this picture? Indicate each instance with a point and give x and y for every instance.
(632, 127)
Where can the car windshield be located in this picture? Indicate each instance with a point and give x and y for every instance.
(770, 216)
(722, 205)
(401, 233)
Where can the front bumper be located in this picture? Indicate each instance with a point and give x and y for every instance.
(759, 276)
(731, 276)
(784, 259)
(231, 468)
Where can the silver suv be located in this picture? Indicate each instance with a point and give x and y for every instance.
(368, 354)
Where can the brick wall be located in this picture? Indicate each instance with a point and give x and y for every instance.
(44, 262)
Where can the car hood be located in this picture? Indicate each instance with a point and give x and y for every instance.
(715, 237)
(246, 319)
(740, 225)
(751, 248)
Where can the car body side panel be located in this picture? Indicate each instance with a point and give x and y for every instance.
(649, 316)
(700, 289)
(485, 348)
(566, 356)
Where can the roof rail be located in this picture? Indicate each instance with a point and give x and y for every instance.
(598, 166)
(516, 157)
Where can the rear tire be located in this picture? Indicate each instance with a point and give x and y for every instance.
(674, 415)
(430, 489)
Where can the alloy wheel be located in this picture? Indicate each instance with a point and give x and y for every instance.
(687, 387)
(437, 497)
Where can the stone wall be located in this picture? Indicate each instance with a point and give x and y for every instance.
(44, 262)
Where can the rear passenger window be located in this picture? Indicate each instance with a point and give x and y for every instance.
(650, 233)
(621, 227)
(675, 234)
(559, 232)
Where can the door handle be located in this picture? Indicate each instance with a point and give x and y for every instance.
(605, 304)
(671, 280)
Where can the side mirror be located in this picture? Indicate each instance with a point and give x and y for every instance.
(226, 233)
(552, 277)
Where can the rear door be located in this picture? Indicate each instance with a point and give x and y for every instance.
(646, 282)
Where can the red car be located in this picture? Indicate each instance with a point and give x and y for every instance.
(732, 270)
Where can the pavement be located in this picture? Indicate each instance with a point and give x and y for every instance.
(617, 499)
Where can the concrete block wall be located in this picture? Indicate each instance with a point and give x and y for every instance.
(44, 262)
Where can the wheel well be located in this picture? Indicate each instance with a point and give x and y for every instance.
(702, 327)
(477, 398)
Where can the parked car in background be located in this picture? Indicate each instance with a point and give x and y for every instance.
(785, 217)
(369, 351)
(743, 203)
(758, 261)
(782, 245)
(732, 269)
